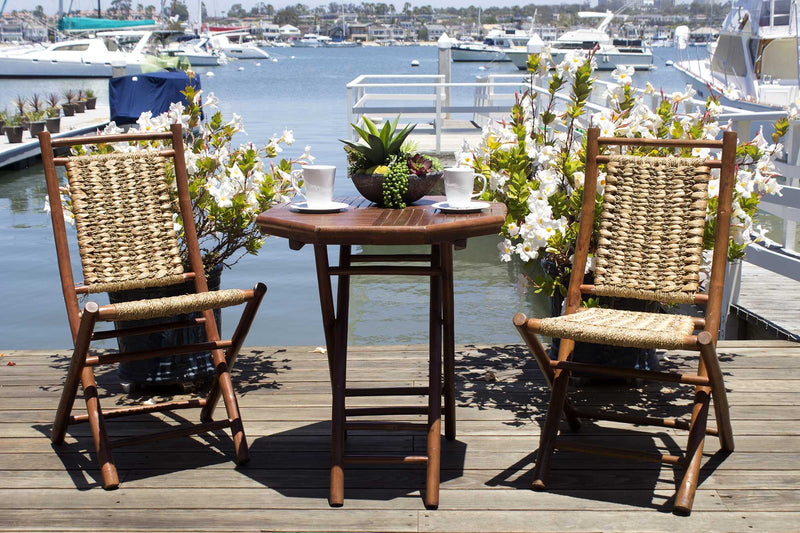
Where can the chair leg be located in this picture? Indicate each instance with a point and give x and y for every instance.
(718, 393)
(434, 436)
(694, 452)
(232, 407)
(547, 440)
(98, 428)
(76, 366)
(543, 360)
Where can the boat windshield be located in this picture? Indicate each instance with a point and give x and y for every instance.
(71, 47)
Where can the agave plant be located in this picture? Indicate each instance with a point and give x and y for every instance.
(381, 144)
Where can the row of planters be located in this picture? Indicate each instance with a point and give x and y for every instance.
(36, 113)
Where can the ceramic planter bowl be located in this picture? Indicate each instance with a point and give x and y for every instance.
(371, 186)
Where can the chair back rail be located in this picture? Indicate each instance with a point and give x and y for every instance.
(726, 164)
(175, 155)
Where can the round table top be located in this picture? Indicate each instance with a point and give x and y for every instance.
(365, 223)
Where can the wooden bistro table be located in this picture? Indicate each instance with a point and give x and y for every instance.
(362, 223)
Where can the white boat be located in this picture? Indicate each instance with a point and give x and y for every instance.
(198, 52)
(236, 45)
(610, 53)
(465, 51)
(755, 61)
(94, 57)
(312, 40)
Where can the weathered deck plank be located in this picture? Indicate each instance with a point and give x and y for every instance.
(192, 484)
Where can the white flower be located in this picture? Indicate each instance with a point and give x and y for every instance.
(211, 101)
(307, 155)
(287, 137)
(145, 121)
(713, 188)
(526, 251)
(222, 192)
(506, 249)
(513, 229)
(623, 74)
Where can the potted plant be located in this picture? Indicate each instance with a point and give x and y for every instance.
(80, 102)
(22, 107)
(385, 169)
(91, 99)
(36, 122)
(69, 103)
(229, 186)
(53, 114)
(3, 118)
(13, 128)
(535, 162)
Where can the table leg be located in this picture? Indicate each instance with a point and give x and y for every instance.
(434, 435)
(448, 306)
(338, 420)
(326, 301)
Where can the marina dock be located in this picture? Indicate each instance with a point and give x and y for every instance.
(191, 484)
(19, 154)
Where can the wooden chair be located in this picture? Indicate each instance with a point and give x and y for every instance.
(649, 248)
(126, 239)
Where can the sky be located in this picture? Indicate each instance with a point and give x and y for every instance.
(51, 6)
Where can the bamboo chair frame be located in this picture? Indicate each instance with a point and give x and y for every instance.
(82, 323)
(708, 381)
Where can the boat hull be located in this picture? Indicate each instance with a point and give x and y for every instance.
(605, 60)
(12, 67)
(462, 55)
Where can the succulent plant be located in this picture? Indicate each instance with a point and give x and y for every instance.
(419, 164)
(381, 144)
(53, 100)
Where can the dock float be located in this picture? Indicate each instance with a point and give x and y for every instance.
(20, 155)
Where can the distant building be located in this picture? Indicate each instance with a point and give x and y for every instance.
(434, 31)
(270, 32)
(359, 32)
(287, 31)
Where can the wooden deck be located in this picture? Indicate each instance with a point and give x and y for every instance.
(763, 297)
(79, 124)
(191, 484)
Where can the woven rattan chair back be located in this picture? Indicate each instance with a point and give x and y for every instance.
(651, 228)
(123, 217)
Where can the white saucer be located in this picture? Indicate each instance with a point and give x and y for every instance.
(473, 207)
(333, 207)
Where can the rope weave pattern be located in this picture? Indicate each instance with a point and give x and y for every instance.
(651, 228)
(175, 305)
(621, 328)
(123, 218)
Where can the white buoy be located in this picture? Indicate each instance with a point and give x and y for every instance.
(291, 57)
(481, 67)
(258, 64)
(275, 59)
(209, 74)
(240, 68)
(669, 63)
(415, 62)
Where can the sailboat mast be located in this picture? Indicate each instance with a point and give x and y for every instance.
(98, 9)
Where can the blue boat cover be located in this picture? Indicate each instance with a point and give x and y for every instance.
(86, 23)
(130, 96)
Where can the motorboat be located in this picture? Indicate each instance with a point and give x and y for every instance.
(609, 53)
(471, 51)
(236, 45)
(754, 63)
(494, 46)
(312, 40)
(198, 52)
(101, 56)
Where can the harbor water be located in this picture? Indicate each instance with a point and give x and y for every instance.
(305, 91)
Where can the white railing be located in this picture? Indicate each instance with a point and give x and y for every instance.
(428, 98)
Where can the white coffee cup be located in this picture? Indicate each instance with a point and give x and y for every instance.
(459, 183)
(317, 185)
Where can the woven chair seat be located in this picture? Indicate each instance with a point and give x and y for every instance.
(633, 329)
(178, 305)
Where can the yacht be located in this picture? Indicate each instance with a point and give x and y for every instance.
(493, 47)
(754, 63)
(610, 53)
(312, 40)
(236, 45)
(92, 57)
(198, 52)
